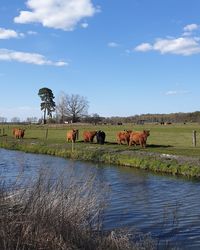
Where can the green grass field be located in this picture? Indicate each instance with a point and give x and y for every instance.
(169, 139)
(169, 147)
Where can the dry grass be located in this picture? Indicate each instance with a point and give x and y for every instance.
(52, 212)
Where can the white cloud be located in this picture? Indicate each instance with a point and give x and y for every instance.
(191, 27)
(144, 47)
(8, 33)
(176, 92)
(181, 46)
(58, 14)
(113, 44)
(24, 57)
(185, 45)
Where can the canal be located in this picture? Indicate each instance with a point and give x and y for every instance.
(167, 207)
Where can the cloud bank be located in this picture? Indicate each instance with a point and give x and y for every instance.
(58, 14)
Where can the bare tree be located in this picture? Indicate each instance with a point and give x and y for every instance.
(61, 107)
(72, 106)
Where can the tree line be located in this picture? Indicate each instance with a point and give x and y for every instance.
(74, 108)
(179, 117)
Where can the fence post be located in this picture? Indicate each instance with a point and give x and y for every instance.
(194, 138)
(46, 134)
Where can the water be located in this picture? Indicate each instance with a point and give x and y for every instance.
(166, 206)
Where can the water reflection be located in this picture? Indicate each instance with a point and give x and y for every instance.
(166, 206)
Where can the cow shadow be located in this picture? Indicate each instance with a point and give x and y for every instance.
(159, 146)
(111, 143)
(148, 145)
(116, 144)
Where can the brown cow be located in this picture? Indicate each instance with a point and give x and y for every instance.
(88, 136)
(139, 138)
(123, 136)
(13, 131)
(18, 133)
(72, 135)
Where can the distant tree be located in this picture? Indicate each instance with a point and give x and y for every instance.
(47, 105)
(15, 120)
(94, 118)
(32, 119)
(3, 119)
(72, 107)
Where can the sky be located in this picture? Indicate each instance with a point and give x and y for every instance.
(126, 57)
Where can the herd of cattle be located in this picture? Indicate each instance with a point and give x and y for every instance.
(128, 137)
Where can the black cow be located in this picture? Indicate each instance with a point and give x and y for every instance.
(100, 137)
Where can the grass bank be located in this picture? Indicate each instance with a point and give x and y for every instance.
(169, 148)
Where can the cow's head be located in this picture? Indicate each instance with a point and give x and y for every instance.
(146, 132)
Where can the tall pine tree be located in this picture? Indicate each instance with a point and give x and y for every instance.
(47, 105)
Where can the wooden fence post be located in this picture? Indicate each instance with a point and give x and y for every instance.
(46, 134)
(194, 138)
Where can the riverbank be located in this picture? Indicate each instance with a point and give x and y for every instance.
(111, 154)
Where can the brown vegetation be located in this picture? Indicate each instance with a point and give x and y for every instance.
(58, 213)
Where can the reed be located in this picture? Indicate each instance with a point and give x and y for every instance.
(59, 212)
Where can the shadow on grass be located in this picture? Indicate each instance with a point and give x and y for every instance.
(114, 143)
(159, 146)
(137, 146)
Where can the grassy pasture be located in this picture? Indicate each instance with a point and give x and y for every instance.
(169, 148)
(169, 139)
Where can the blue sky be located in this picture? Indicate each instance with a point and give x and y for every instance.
(126, 57)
